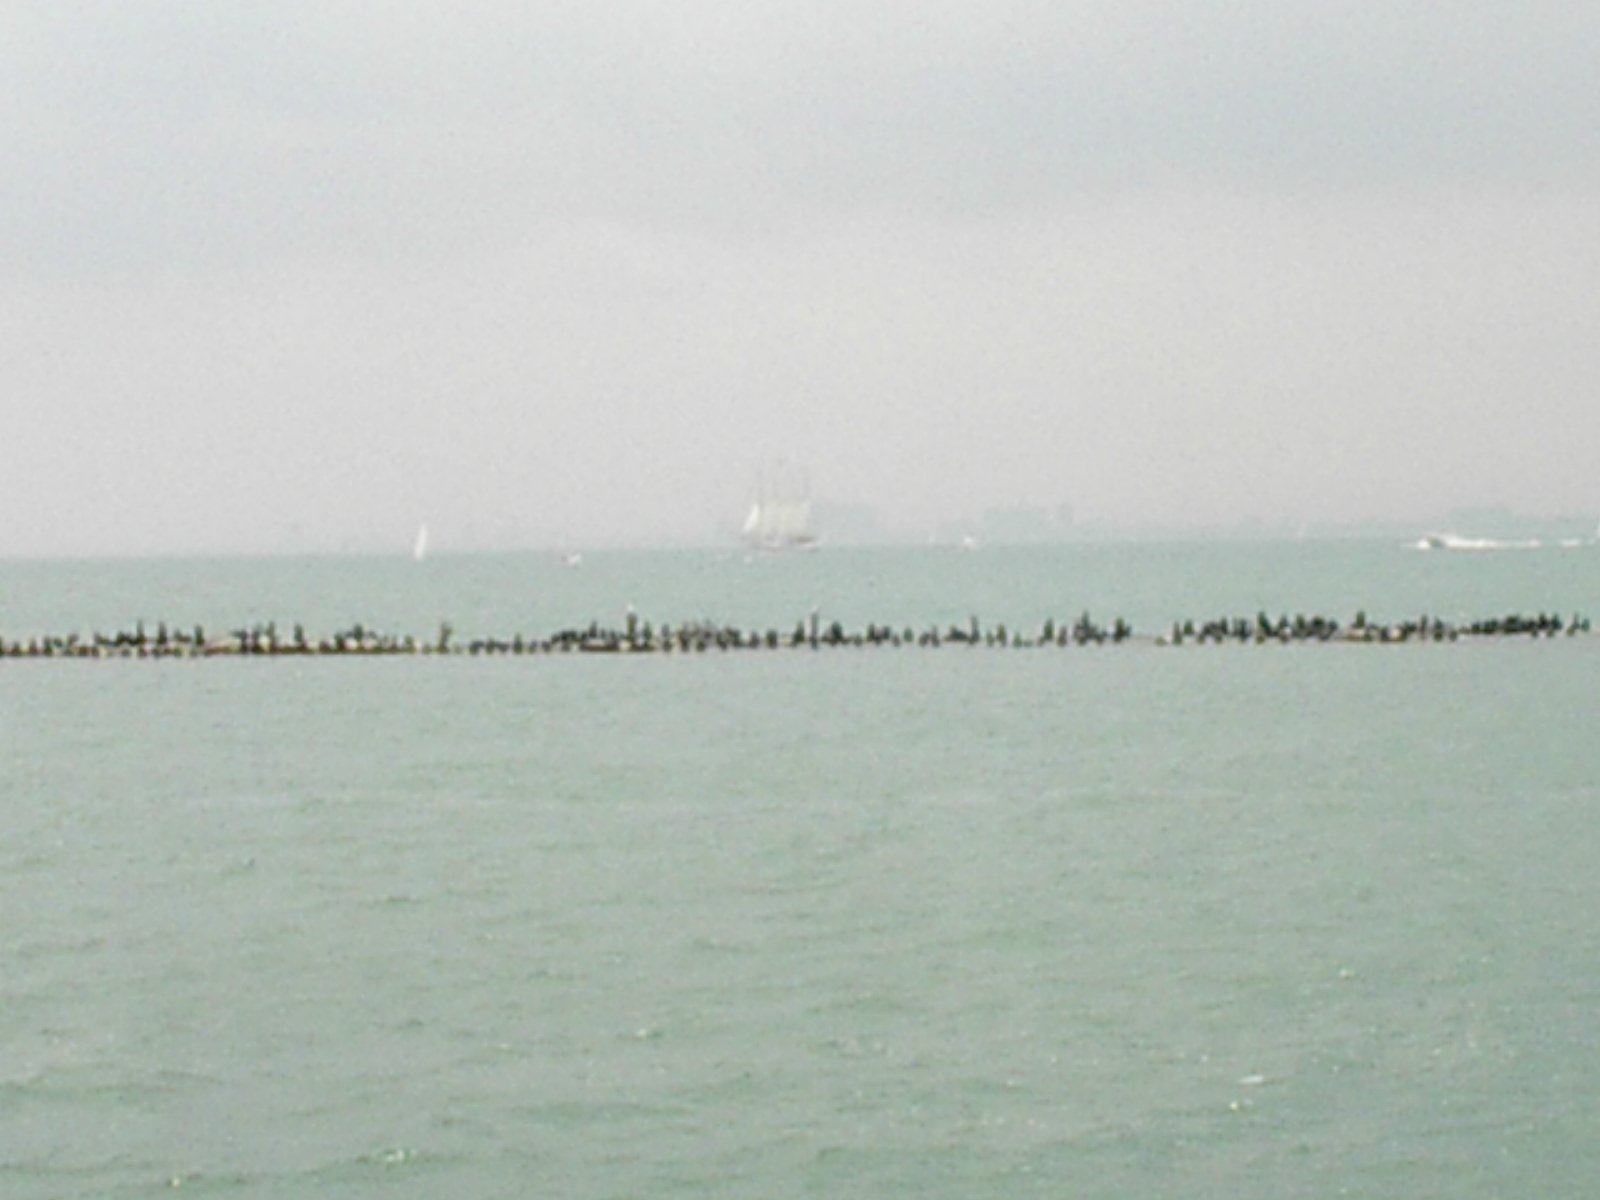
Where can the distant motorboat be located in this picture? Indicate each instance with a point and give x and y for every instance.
(1451, 541)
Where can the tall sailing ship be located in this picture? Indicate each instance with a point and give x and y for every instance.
(780, 515)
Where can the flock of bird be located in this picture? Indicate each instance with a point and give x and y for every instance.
(636, 635)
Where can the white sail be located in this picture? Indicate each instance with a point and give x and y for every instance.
(780, 517)
(419, 548)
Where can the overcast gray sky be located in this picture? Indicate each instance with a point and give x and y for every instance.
(297, 275)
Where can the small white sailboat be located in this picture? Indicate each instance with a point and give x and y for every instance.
(419, 548)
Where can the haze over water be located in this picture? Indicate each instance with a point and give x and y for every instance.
(278, 278)
(1217, 922)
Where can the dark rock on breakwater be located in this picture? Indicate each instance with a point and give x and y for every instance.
(637, 635)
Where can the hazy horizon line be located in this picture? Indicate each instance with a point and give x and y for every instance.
(1502, 522)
